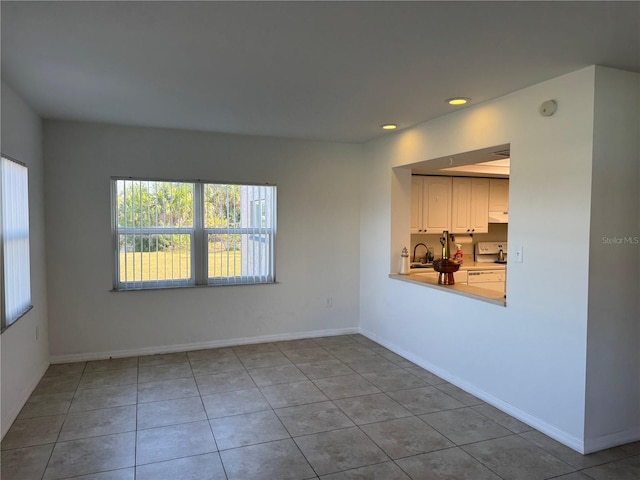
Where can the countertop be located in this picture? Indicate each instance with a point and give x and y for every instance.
(483, 294)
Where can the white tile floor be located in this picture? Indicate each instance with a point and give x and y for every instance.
(333, 408)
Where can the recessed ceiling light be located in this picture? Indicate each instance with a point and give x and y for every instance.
(388, 126)
(457, 100)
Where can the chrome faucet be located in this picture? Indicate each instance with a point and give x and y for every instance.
(414, 250)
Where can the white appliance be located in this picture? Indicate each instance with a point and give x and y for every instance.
(489, 279)
(489, 252)
(498, 217)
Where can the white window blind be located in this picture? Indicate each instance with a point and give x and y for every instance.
(240, 231)
(192, 233)
(14, 257)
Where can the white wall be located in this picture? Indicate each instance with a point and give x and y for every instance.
(317, 244)
(613, 358)
(529, 358)
(25, 358)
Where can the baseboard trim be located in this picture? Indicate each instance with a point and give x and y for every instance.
(13, 414)
(570, 441)
(612, 440)
(185, 347)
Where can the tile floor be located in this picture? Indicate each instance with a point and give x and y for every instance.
(333, 408)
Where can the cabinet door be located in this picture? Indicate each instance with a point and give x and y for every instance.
(479, 206)
(498, 195)
(416, 204)
(460, 277)
(436, 204)
(460, 205)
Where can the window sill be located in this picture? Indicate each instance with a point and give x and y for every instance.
(190, 287)
(4, 329)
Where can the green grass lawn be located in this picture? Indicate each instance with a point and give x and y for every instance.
(174, 265)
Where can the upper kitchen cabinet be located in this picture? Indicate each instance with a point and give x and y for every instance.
(416, 204)
(470, 205)
(498, 200)
(430, 204)
(499, 194)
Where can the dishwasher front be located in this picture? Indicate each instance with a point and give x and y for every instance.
(489, 279)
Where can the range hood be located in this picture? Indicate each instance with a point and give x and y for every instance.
(498, 217)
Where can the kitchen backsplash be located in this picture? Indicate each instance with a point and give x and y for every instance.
(497, 232)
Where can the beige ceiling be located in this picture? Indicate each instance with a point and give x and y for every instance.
(314, 70)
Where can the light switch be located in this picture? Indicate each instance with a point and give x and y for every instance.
(518, 254)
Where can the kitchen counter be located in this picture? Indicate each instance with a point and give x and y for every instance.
(483, 294)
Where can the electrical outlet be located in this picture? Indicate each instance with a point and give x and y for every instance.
(328, 302)
(37, 331)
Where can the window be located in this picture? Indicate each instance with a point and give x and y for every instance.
(14, 234)
(176, 234)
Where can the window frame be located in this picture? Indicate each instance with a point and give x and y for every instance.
(3, 303)
(199, 260)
